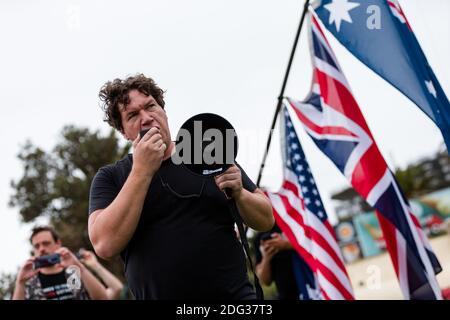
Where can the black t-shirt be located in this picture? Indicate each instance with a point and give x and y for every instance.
(54, 286)
(282, 268)
(184, 246)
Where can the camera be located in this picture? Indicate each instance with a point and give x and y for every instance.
(46, 261)
(266, 236)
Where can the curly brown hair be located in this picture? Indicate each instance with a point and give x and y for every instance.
(114, 94)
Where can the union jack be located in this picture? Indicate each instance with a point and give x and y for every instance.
(398, 12)
(332, 118)
(401, 61)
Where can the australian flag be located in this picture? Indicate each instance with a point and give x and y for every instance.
(333, 119)
(378, 33)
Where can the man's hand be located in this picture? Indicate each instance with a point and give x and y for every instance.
(67, 258)
(267, 252)
(276, 243)
(26, 271)
(232, 180)
(148, 152)
(254, 207)
(89, 259)
(93, 286)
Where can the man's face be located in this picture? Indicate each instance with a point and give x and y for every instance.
(44, 244)
(143, 112)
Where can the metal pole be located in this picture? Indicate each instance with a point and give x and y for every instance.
(281, 95)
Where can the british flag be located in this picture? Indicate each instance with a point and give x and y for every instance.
(300, 214)
(332, 118)
(398, 12)
(379, 35)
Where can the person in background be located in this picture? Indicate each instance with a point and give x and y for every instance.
(55, 281)
(277, 261)
(113, 285)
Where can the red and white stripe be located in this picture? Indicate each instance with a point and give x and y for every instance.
(313, 239)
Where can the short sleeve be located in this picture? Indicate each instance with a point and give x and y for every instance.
(103, 189)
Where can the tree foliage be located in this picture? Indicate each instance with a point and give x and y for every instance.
(56, 184)
(6, 286)
(413, 181)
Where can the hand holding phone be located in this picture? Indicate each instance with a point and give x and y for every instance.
(46, 261)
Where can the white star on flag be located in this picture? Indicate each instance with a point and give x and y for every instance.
(431, 88)
(339, 11)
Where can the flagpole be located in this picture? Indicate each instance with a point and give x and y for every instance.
(281, 95)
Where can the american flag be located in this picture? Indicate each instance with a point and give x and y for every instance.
(299, 212)
(331, 116)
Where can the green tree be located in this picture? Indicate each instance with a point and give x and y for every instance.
(56, 184)
(6, 285)
(413, 181)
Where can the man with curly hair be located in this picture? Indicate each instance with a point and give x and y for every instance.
(172, 229)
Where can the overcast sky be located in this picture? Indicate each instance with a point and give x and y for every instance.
(225, 57)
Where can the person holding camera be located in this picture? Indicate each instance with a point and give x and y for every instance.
(173, 229)
(277, 261)
(274, 263)
(54, 272)
(113, 285)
